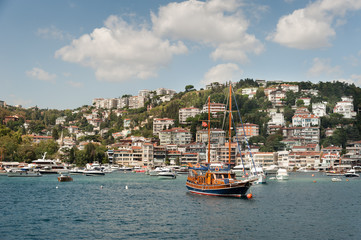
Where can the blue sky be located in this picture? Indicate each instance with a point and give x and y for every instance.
(62, 54)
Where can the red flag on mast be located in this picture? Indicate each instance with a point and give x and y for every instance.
(204, 124)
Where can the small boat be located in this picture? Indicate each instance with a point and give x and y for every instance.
(23, 173)
(335, 173)
(261, 177)
(351, 173)
(94, 173)
(65, 178)
(183, 170)
(155, 172)
(282, 174)
(271, 170)
(336, 179)
(125, 169)
(167, 173)
(306, 170)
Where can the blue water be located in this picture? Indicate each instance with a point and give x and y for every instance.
(151, 208)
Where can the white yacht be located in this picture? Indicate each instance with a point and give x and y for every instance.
(271, 170)
(48, 166)
(155, 172)
(167, 173)
(282, 174)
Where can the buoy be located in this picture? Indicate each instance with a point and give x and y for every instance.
(246, 174)
(126, 187)
(314, 181)
(249, 195)
(101, 186)
(313, 175)
(56, 187)
(346, 180)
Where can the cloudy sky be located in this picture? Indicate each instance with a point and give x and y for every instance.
(62, 54)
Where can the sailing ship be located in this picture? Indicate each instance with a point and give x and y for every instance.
(217, 181)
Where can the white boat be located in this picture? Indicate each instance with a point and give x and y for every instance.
(167, 173)
(93, 173)
(48, 166)
(125, 169)
(271, 170)
(240, 170)
(155, 172)
(282, 174)
(23, 173)
(258, 172)
(304, 169)
(76, 170)
(351, 173)
(336, 179)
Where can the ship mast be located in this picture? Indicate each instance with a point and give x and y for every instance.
(230, 124)
(209, 131)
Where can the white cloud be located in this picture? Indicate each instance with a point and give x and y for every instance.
(119, 51)
(313, 26)
(16, 100)
(75, 84)
(354, 79)
(215, 23)
(222, 73)
(53, 33)
(323, 67)
(38, 73)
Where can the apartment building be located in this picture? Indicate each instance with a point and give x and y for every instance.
(160, 124)
(218, 136)
(185, 113)
(178, 136)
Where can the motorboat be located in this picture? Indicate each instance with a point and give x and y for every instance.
(304, 169)
(76, 171)
(48, 166)
(282, 174)
(155, 172)
(336, 179)
(351, 173)
(23, 173)
(125, 169)
(65, 178)
(271, 170)
(183, 170)
(93, 173)
(167, 173)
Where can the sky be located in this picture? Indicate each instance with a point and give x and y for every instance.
(63, 54)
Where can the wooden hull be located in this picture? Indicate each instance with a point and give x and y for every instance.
(238, 189)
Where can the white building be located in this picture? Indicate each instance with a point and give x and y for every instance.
(306, 101)
(305, 120)
(278, 119)
(185, 113)
(288, 87)
(319, 109)
(345, 107)
(251, 92)
(160, 124)
(214, 108)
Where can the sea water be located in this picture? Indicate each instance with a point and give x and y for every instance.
(138, 206)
